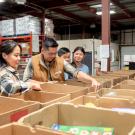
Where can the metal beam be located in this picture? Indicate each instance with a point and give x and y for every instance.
(87, 8)
(61, 4)
(122, 7)
(69, 15)
(122, 17)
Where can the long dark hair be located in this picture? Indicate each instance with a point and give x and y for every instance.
(7, 47)
(79, 48)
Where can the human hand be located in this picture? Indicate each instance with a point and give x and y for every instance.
(36, 87)
(95, 84)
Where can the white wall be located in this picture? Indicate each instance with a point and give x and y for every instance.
(128, 51)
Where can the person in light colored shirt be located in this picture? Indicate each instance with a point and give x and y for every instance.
(78, 56)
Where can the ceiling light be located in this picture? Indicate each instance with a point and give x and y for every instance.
(2, 1)
(21, 2)
(100, 12)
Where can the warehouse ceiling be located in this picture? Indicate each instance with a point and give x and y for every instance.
(72, 12)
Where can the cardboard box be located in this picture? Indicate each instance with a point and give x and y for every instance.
(13, 109)
(80, 84)
(45, 98)
(121, 93)
(16, 129)
(67, 114)
(114, 80)
(74, 91)
(130, 73)
(105, 102)
(127, 84)
(105, 83)
(123, 77)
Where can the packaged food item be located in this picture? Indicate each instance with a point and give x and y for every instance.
(84, 130)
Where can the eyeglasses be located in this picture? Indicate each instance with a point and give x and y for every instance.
(50, 54)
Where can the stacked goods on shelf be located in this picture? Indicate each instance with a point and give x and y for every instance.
(49, 28)
(17, 129)
(13, 109)
(70, 115)
(45, 98)
(7, 28)
(74, 91)
(27, 24)
(25, 48)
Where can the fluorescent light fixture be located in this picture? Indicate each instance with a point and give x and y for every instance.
(99, 5)
(21, 2)
(2, 1)
(100, 12)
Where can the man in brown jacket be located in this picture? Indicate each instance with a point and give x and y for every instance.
(47, 67)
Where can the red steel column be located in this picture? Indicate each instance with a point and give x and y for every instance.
(106, 26)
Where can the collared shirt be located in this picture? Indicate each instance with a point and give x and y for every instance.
(10, 82)
(28, 73)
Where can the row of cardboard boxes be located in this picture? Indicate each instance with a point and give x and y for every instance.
(68, 114)
(120, 96)
(13, 109)
(40, 122)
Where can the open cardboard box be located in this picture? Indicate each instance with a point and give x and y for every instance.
(109, 92)
(67, 114)
(16, 129)
(105, 102)
(12, 109)
(127, 84)
(114, 79)
(106, 84)
(130, 73)
(45, 98)
(121, 76)
(74, 91)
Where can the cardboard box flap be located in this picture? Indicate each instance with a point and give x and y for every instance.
(16, 129)
(13, 109)
(42, 96)
(8, 104)
(58, 88)
(65, 89)
(114, 92)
